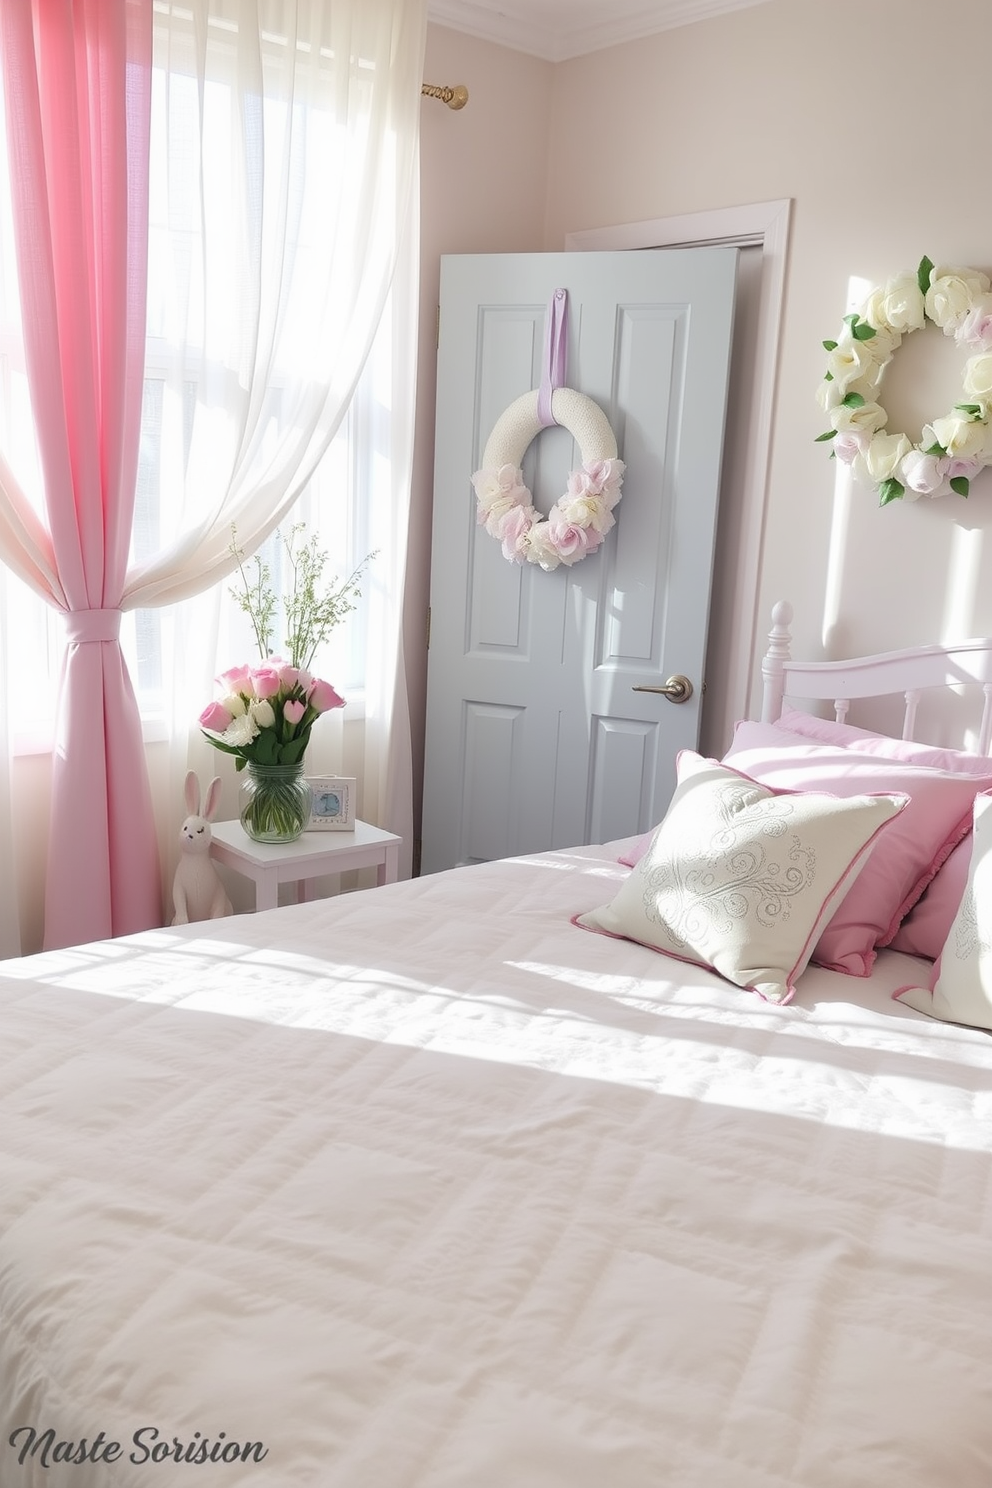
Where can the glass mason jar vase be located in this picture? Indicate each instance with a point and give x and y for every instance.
(275, 802)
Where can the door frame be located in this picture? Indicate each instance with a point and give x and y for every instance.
(764, 225)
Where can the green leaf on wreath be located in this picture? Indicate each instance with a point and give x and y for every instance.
(828, 377)
(960, 485)
(853, 400)
(923, 275)
(889, 490)
(830, 345)
(935, 449)
(863, 331)
(830, 434)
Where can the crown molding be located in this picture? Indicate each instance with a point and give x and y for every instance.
(559, 29)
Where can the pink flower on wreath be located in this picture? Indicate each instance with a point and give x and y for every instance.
(848, 445)
(323, 697)
(582, 485)
(215, 717)
(539, 547)
(571, 541)
(497, 491)
(497, 515)
(512, 530)
(925, 474)
(586, 511)
(600, 478)
(975, 329)
(966, 468)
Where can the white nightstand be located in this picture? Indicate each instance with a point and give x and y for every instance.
(269, 864)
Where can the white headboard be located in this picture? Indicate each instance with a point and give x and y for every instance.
(907, 672)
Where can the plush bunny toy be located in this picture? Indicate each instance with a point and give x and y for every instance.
(197, 891)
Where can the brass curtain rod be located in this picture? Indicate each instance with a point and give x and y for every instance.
(455, 98)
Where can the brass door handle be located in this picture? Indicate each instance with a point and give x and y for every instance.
(677, 689)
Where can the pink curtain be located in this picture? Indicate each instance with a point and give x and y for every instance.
(77, 85)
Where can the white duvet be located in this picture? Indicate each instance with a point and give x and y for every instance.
(424, 1187)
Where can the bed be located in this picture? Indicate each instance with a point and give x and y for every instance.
(438, 1185)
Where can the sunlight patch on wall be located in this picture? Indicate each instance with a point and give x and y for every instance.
(961, 583)
(858, 291)
(840, 523)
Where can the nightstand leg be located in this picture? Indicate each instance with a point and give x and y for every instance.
(266, 893)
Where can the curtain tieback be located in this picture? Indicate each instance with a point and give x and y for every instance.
(92, 625)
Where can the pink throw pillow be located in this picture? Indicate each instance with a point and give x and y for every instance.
(925, 929)
(904, 860)
(928, 924)
(846, 736)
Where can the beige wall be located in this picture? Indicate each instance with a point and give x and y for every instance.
(854, 112)
(874, 126)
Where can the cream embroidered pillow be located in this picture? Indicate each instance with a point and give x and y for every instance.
(961, 988)
(741, 878)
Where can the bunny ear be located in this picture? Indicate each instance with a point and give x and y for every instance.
(213, 792)
(192, 789)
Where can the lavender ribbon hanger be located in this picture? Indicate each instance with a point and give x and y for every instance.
(555, 356)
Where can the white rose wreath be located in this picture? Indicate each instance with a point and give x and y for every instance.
(581, 518)
(953, 449)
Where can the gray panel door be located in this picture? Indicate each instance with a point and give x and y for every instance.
(536, 736)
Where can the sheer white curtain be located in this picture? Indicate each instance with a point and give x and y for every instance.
(357, 502)
(284, 145)
(308, 245)
(281, 228)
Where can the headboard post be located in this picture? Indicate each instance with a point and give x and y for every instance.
(985, 734)
(773, 662)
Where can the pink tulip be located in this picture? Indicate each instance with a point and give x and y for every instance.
(288, 675)
(215, 717)
(293, 711)
(323, 697)
(265, 682)
(237, 679)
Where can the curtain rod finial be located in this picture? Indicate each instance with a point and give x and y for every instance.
(455, 98)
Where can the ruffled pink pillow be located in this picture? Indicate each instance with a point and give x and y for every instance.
(928, 924)
(846, 736)
(925, 929)
(903, 862)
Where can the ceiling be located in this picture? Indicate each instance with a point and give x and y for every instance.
(558, 29)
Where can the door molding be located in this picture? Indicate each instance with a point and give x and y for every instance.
(765, 225)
